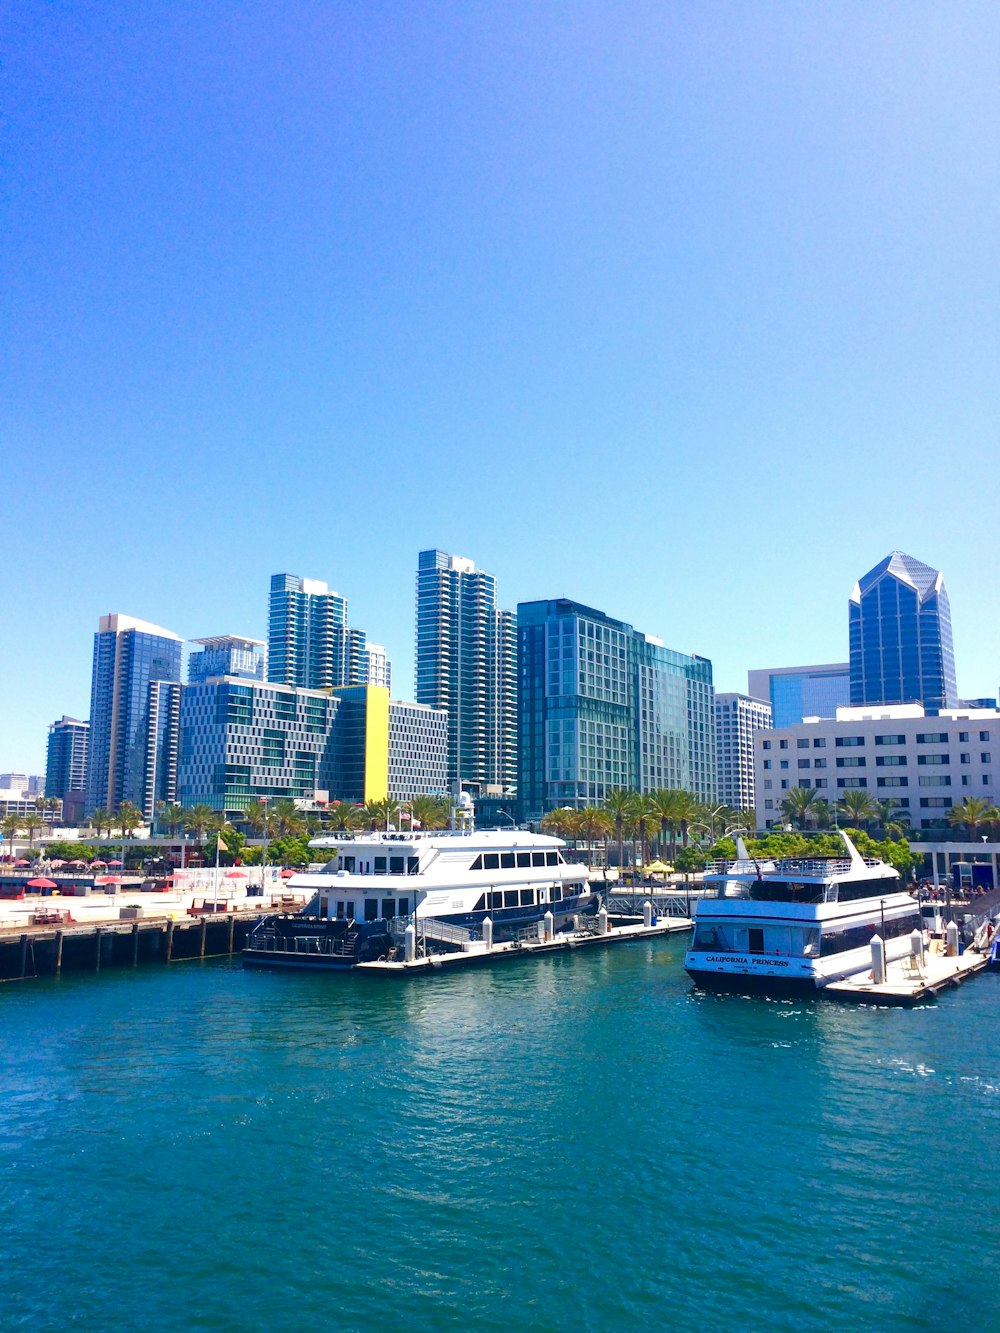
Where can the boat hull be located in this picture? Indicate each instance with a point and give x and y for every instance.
(754, 983)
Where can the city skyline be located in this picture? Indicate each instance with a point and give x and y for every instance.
(687, 313)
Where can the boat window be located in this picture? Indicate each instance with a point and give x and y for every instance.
(850, 890)
(388, 908)
(557, 893)
(371, 909)
(413, 865)
(340, 911)
(810, 943)
(491, 861)
(755, 939)
(785, 891)
(506, 860)
(380, 865)
(477, 864)
(395, 865)
(524, 858)
(709, 937)
(481, 904)
(349, 864)
(734, 888)
(496, 901)
(537, 858)
(527, 897)
(510, 898)
(350, 910)
(860, 937)
(551, 858)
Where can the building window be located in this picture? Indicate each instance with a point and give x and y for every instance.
(984, 735)
(767, 763)
(984, 758)
(782, 745)
(802, 745)
(766, 745)
(768, 805)
(804, 763)
(845, 741)
(891, 761)
(932, 738)
(852, 782)
(820, 743)
(890, 740)
(821, 782)
(819, 763)
(963, 735)
(893, 782)
(851, 762)
(944, 780)
(784, 763)
(937, 759)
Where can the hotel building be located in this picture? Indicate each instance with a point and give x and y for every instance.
(738, 718)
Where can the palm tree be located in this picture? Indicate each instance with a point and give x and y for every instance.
(800, 805)
(128, 818)
(889, 819)
(675, 809)
(971, 812)
(170, 817)
(430, 812)
(10, 826)
(199, 819)
(859, 806)
(645, 819)
(620, 804)
(595, 824)
(340, 817)
(560, 822)
(287, 820)
(31, 823)
(101, 819)
(377, 814)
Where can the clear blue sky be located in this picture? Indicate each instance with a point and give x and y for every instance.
(687, 311)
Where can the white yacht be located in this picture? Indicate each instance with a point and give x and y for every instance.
(797, 924)
(448, 879)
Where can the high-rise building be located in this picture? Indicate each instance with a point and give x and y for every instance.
(379, 668)
(601, 705)
(802, 691)
(134, 698)
(466, 664)
(66, 763)
(738, 717)
(309, 643)
(227, 655)
(900, 636)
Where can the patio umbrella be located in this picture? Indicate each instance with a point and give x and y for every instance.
(98, 863)
(235, 874)
(22, 863)
(108, 879)
(658, 868)
(57, 864)
(42, 884)
(287, 874)
(114, 863)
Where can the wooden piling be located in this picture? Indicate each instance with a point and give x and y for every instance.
(59, 949)
(170, 939)
(24, 955)
(135, 944)
(98, 937)
(232, 930)
(204, 932)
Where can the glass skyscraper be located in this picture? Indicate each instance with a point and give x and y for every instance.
(900, 636)
(309, 643)
(803, 691)
(66, 762)
(466, 664)
(602, 706)
(134, 699)
(226, 655)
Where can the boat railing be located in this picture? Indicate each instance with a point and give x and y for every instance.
(267, 937)
(810, 867)
(428, 928)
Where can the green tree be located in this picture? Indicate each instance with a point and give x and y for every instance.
(99, 820)
(859, 807)
(198, 819)
(969, 814)
(287, 820)
(128, 818)
(342, 816)
(170, 816)
(801, 805)
(31, 823)
(378, 814)
(10, 826)
(596, 825)
(431, 812)
(620, 805)
(645, 822)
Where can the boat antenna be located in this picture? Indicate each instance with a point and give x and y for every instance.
(743, 854)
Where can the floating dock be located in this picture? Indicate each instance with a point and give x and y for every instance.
(527, 948)
(910, 980)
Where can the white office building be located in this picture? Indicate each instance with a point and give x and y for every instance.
(738, 718)
(924, 763)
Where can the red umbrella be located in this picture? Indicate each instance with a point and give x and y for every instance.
(22, 863)
(114, 863)
(42, 884)
(98, 863)
(57, 863)
(287, 874)
(108, 879)
(235, 874)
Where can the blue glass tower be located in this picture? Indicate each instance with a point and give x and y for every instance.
(309, 644)
(134, 698)
(900, 636)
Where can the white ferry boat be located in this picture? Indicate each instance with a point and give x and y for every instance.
(796, 925)
(448, 879)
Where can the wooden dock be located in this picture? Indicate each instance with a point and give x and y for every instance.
(910, 981)
(47, 950)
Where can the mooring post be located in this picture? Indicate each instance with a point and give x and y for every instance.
(204, 932)
(24, 954)
(135, 944)
(170, 939)
(232, 931)
(59, 948)
(98, 933)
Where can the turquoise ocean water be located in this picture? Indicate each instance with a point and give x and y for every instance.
(575, 1142)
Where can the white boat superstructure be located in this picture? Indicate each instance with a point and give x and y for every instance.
(459, 876)
(798, 923)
